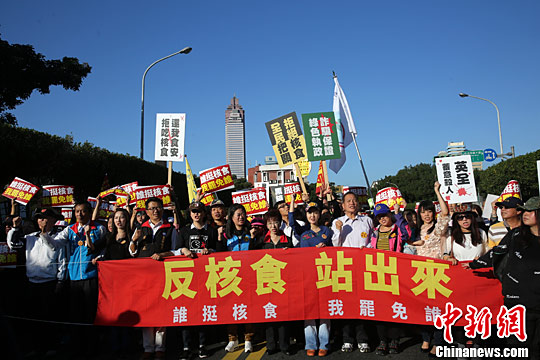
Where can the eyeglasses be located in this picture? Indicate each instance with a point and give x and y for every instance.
(463, 216)
(157, 208)
(505, 207)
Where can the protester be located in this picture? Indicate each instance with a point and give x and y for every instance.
(286, 227)
(196, 238)
(515, 262)
(480, 220)
(138, 218)
(237, 236)
(353, 230)
(155, 236)
(432, 234)
(259, 224)
(511, 219)
(389, 235)
(217, 212)
(412, 229)
(82, 239)
(117, 248)
(46, 268)
(276, 239)
(314, 235)
(467, 241)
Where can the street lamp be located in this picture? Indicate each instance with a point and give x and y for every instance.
(186, 50)
(498, 116)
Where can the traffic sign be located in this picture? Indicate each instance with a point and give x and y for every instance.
(476, 155)
(490, 155)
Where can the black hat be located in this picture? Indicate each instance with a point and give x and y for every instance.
(41, 213)
(196, 205)
(510, 202)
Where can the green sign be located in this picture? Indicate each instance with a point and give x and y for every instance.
(321, 136)
(476, 155)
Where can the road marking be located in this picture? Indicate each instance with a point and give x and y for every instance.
(235, 354)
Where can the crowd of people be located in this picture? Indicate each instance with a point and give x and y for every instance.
(58, 265)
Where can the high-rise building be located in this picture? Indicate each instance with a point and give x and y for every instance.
(235, 135)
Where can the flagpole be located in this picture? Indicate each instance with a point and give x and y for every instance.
(353, 135)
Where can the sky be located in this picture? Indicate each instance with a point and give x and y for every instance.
(401, 65)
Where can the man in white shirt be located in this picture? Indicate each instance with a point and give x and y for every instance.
(45, 267)
(353, 230)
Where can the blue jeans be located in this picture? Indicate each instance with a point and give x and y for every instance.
(310, 331)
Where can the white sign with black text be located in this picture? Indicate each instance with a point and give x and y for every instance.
(456, 176)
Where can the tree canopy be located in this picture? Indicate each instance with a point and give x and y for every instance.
(22, 71)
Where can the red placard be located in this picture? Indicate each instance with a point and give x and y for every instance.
(128, 193)
(216, 179)
(389, 196)
(208, 198)
(287, 285)
(142, 193)
(67, 213)
(57, 196)
(20, 190)
(511, 189)
(293, 190)
(254, 200)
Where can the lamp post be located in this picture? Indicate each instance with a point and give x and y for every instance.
(186, 50)
(498, 116)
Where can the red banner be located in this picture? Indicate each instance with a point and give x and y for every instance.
(285, 285)
(142, 193)
(293, 189)
(511, 189)
(254, 200)
(216, 179)
(57, 196)
(208, 198)
(20, 190)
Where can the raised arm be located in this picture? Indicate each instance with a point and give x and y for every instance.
(442, 203)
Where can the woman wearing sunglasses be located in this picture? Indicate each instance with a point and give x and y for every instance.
(467, 241)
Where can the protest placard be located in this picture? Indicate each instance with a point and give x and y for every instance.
(143, 193)
(287, 139)
(105, 208)
(292, 189)
(389, 196)
(321, 183)
(455, 173)
(125, 194)
(216, 179)
(321, 136)
(360, 191)
(57, 196)
(511, 189)
(208, 198)
(67, 213)
(21, 191)
(254, 200)
(170, 135)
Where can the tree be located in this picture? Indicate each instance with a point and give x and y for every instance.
(22, 71)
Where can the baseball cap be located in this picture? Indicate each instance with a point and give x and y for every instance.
(257, 221)
(312, 206)
(510, 202)
(196, 205)
(531, 204)
(381, 209)
(44, 212)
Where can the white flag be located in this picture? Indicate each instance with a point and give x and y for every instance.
(345, 125)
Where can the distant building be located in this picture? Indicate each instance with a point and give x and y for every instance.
(455, 148)
(235, 138)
